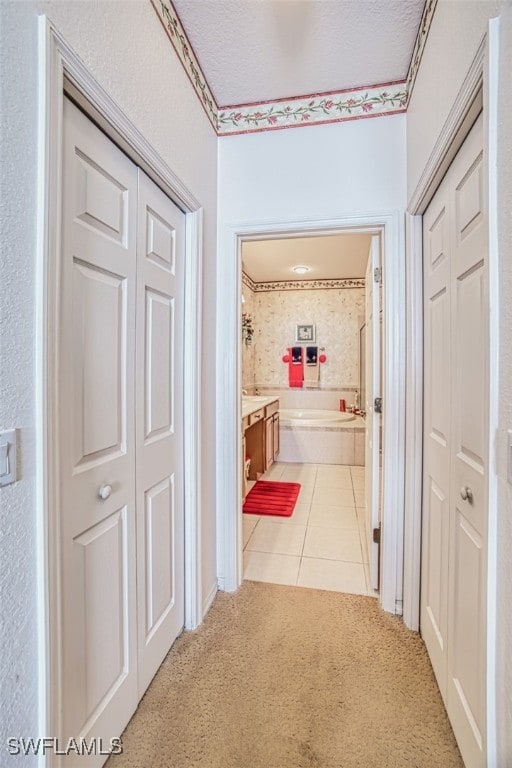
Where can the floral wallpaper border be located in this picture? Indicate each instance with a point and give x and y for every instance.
(298, 111)
(419, 45)
(303, 285)
(246, 280)
(176, 34)
(332, 107)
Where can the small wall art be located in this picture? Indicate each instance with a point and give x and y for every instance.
(305, 333)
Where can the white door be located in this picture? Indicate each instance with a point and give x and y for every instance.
(436, 431)
(454, 565)
(159, 456)
(373, 419)
(469, 466)
(120, 433)
(96, 395)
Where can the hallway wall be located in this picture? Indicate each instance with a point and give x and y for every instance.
(127, 51)
(453, 40)
(455, 34)
(321, 171)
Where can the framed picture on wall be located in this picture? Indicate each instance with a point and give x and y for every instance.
(305, 334)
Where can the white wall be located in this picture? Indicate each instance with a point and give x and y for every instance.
(504, 649)
(315, 172)
(456, 32)
(127, 51)
(457, 29)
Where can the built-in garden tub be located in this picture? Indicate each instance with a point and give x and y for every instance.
(321, 437)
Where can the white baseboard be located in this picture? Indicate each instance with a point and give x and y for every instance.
(207, 604)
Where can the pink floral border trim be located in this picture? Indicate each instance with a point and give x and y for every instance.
(176, 34)
(303, 285)
(316, 109)
(313, 110)
(419, 45)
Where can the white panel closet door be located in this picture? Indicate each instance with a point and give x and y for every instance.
(373, 419)
(469, 466)
(97, 435)
(454, 555)
(160, 507)
(436, 432)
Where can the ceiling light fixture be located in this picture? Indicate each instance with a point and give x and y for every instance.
(301, 270)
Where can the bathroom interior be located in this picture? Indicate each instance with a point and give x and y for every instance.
(304, 335)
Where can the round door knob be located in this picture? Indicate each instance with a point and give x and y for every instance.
(466, 494)
(104, 492)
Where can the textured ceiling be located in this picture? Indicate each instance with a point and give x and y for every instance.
(257, 50)
(329, 257)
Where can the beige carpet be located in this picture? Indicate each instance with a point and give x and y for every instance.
(284, 677)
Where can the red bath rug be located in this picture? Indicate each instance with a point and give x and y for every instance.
(271, 498)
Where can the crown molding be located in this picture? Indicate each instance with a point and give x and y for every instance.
(297, 111)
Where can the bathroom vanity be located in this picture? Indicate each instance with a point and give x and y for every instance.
(260, 434)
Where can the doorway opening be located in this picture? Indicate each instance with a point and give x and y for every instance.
(307, 304)
(386, 231)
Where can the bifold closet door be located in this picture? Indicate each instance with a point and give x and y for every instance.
(159, 414)
(96, 401)
(120, 395)
(455, 508)
(436, 431)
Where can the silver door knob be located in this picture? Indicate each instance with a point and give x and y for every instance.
(466, 494)
(105, 491)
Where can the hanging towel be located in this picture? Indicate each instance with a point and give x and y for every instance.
(311, 375)
(311, 355)
(295, 367)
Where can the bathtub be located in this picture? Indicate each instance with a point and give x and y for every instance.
(310, 417)
(313, 436)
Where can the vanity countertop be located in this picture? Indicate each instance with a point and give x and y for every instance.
(252, 403)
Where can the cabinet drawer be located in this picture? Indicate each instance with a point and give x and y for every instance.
(256, 416)
(271, 409)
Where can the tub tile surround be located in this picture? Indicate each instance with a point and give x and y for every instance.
(323, 544)
(324, 445)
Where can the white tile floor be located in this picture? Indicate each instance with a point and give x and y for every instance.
(322, 545)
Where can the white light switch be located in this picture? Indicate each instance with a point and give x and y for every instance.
(509, 456)
(7, 457)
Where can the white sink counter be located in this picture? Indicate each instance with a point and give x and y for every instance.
(252, 403)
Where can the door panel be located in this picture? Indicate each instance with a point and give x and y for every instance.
(468, 548)
(159, 365)
(99, 356)
(96, 434)
(160, 576)
(160, 505)
(454, 565)
(437, 433)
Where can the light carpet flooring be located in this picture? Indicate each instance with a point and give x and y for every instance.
(285, 677)
(323, 544)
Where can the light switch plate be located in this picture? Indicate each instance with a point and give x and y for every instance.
(509, 456)
(7, 457)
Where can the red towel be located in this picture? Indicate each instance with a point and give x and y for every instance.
(295, 370)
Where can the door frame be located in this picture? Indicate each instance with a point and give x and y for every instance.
(478, 92)
(62, 72)
(389, 225)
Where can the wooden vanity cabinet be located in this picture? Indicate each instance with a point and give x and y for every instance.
(261, 438)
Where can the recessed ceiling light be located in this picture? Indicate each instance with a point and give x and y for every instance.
(301, 270)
